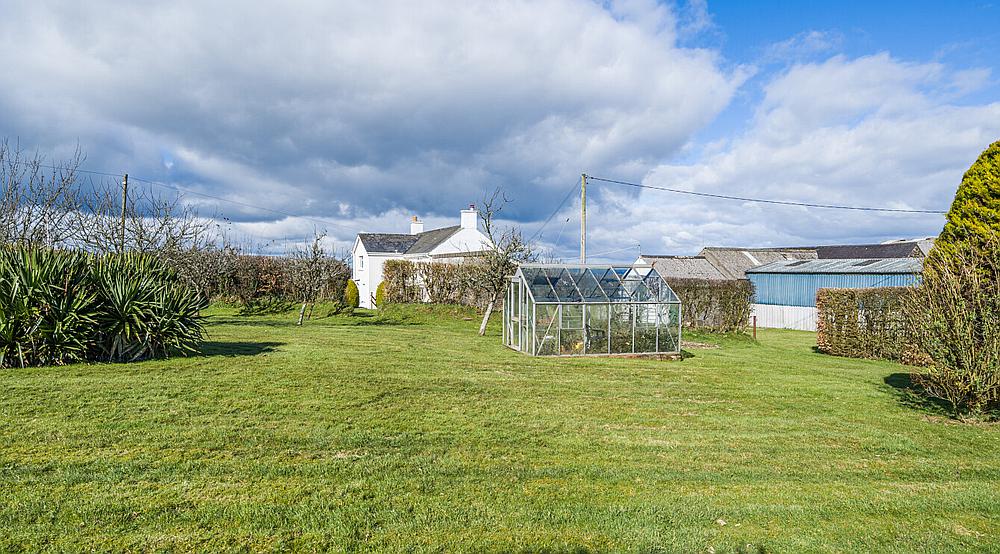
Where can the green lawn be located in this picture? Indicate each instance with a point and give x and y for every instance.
(411, 432)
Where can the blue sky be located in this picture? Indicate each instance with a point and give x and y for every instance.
(961, 34)
(354, 117)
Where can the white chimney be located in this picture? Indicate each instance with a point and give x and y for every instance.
(416, 226)
(470, 218)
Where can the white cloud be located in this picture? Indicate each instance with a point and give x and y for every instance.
(376, 105)
(871, 131)
(803, 45)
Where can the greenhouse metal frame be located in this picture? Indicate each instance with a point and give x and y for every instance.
(590, 310)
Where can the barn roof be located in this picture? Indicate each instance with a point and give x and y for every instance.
(839, 266)
(733, 263)
(901, 249)
(684, 267)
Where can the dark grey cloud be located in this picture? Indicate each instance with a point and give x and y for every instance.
(312, 106)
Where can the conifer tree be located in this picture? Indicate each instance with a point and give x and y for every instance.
(974, 216)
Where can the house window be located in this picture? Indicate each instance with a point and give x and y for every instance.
(361, 262)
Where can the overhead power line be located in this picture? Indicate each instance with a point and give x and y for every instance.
(175, 188)
(767, 201)
(572, 189)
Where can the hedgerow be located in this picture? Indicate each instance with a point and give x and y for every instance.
(866, 323)
(714, 305)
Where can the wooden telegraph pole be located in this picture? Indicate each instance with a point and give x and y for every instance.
(121, 244)
(583, 218)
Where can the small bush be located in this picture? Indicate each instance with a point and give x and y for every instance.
(380, 299)
(351, 296)
(955, 320)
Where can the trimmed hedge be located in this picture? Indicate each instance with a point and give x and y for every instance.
(434, 282)
(715, 305)
(866, 323)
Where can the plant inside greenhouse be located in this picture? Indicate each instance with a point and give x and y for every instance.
(574, 310)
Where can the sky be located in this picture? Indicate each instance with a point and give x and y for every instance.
(352, 117)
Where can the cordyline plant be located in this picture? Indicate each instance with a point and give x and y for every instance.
(59, 307)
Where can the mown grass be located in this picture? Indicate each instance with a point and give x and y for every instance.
(407, 431)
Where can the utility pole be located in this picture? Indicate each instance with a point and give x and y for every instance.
(583, 218)
(121, 244)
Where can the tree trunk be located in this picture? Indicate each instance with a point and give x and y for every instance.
(486, 318)
(302, 313)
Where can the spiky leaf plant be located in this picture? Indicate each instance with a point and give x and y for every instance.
(59, 307)
(47, 307)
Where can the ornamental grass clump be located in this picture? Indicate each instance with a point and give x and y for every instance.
(59, 307)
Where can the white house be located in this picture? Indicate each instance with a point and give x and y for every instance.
(372, 250)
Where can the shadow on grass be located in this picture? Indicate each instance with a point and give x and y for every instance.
(909, 394)
(387, 320)
(226, 348)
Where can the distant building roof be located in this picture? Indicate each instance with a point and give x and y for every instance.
(733, 263)
(401, 243)
(897, 249)
(684, 267)
(869, 265)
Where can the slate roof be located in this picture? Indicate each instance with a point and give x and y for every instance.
(402, 243)
(733, 263)
(840, 266)
(684, 267)
(907, 249)
(429, 240)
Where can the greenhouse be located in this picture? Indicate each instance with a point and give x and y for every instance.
(577, 310)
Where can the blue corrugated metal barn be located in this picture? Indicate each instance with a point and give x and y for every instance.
(785, 291)
(795, 282)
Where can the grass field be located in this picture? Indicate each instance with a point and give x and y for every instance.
(410, 432)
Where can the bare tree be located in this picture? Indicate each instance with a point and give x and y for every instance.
(37, 206)
(507, 249)
(152, 223)
(314, 274)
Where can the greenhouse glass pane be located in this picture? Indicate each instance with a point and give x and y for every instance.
(571, 342)
(621, 328)
(508, 314)
(526, 308)
(645, 327)
(564, 286)
(546, 329)
(612, 286)
(655, 285)
(539, 285)
(641, 293)
(632, 281)
(661, 289)
(572, 316)
(597, 329)
(668, 316)
(589, 287)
